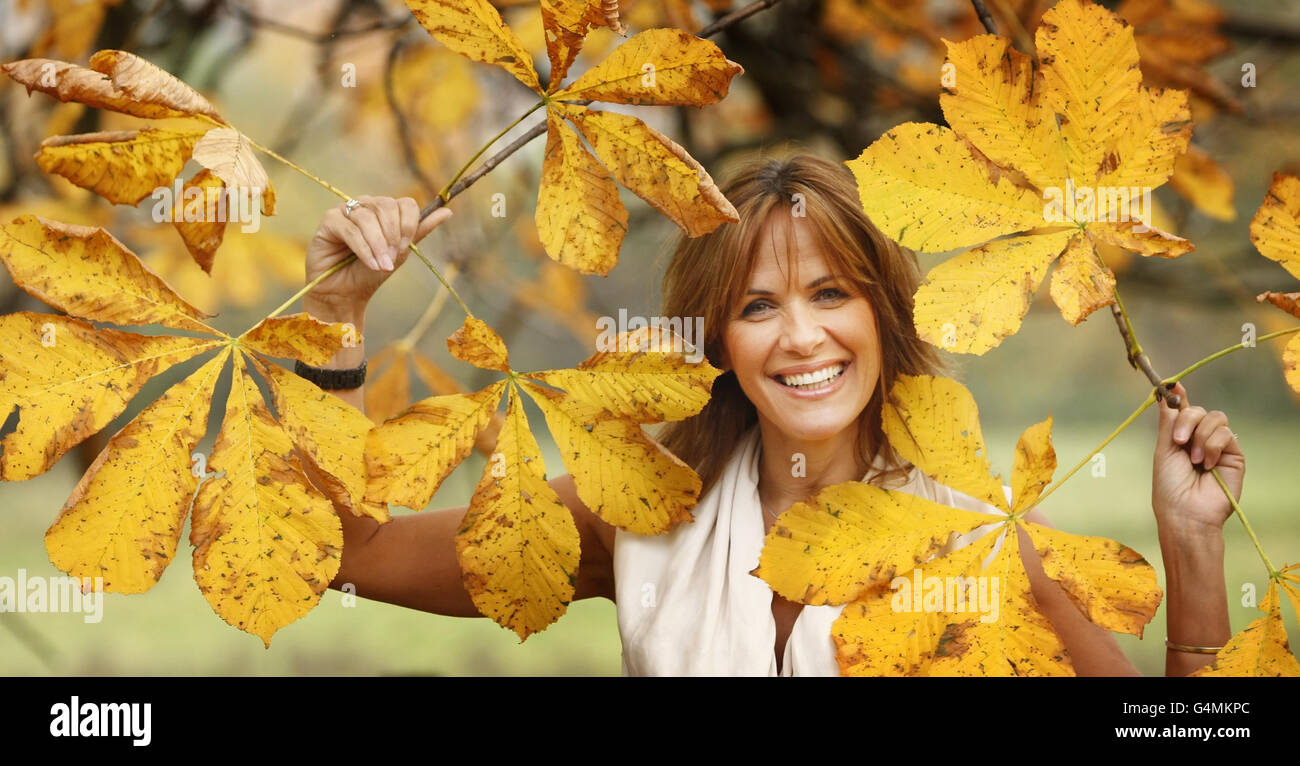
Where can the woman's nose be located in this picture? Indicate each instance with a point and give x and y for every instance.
(801, 332)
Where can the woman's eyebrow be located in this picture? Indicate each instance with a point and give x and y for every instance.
(809, 286)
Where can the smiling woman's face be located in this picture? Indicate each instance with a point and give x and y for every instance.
(803, 341)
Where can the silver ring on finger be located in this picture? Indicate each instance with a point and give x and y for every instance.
(349, 206)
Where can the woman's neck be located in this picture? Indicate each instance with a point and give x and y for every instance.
(791, 470)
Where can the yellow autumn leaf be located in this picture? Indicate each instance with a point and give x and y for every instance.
(923, 187)
(1111, 583)
(201, 233)
(852, 538)
(474, 28)
(1261, 649)
(479, 345)
(144, 90)
(1207, 185)
(596, 425)
(1020, 642)
(265, 550)
(121, 523)
(124, 519)
(1090, 70)
(654, 168)
(408, 457)
(1275, 231)
(622, 475)
(145, 83)
(1158, 131)
(85, 272)
(661, 67)
(579, 216)
(644, 377)
(230, 156)
(70, 380)
(122, 166)
(888, 631)
(330, 434)
(300, 336)
(1035, 462)
(998, 95)
(933, 422)
(580, 219)
(1081, 283)
(566, 24)
(518, 545)
(1076, 141)
(970, 302)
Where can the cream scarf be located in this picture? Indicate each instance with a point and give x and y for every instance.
(688, 605)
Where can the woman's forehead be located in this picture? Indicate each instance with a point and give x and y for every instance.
(787, 249)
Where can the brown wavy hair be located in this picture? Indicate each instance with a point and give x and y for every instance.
(707, 277)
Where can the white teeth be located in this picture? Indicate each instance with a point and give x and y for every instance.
(811, 379)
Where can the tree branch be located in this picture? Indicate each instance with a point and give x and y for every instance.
(1138, 358)
(239, 11)
(986, 18)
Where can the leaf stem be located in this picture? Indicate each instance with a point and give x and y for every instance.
(1272, 572)
(447, 189)
(308, 288)
(1225, 352)
(286, 161)
(1150, 400)
(423, 324)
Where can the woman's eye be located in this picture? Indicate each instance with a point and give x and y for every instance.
(753, 308)
(832, 294)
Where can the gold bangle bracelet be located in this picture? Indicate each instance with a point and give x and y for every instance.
(1192, 649)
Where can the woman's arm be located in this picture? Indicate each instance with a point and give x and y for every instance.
(410, 561)
(1190, 510)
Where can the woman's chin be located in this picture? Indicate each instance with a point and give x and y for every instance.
(814, 430)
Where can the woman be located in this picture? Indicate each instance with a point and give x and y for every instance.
(808, 310)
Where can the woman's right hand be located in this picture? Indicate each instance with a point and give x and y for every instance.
(380, 232)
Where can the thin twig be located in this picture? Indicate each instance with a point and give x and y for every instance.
(253, 19)
(1138, 358)
(985, 17)
(734, 16)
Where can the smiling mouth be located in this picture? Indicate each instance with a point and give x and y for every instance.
(813, 381)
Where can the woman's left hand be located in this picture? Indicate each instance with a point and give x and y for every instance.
(1184, 494)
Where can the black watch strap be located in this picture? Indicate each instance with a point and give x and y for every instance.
(332, 380)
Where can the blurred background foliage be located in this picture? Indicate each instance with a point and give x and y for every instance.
(828, 76)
